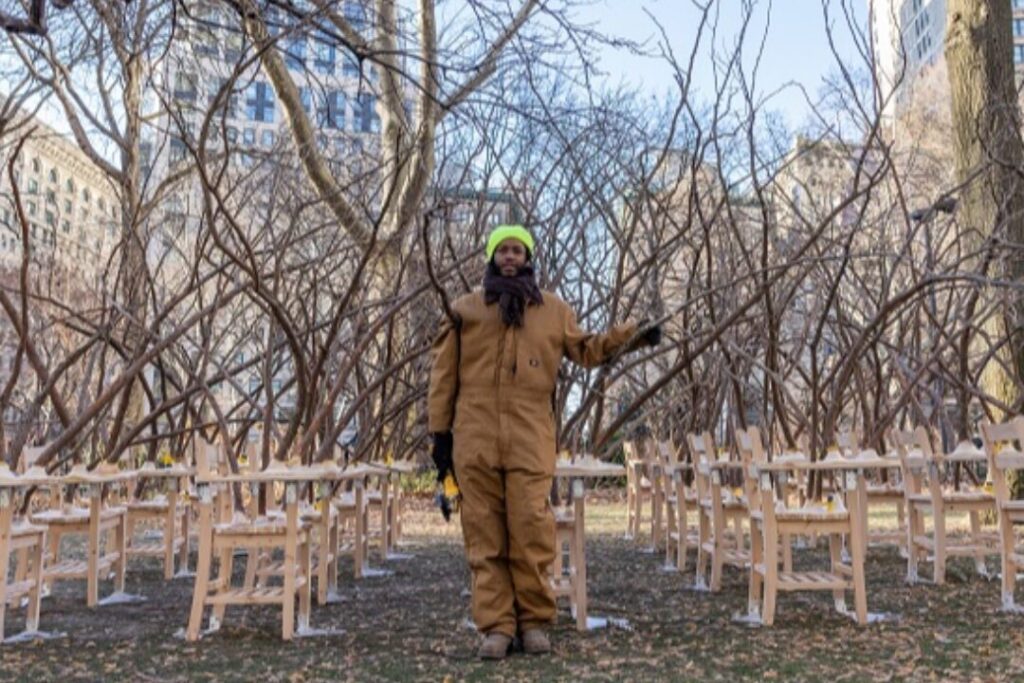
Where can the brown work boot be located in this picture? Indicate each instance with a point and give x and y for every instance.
(495, 646)
(535, 642)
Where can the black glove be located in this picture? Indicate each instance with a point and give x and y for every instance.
(442, 454)
(652, 335)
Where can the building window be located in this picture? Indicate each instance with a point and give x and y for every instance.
(295, 53)
(1018, 54)
(230, 97)
(86, 195)
(307, 101)
(51, 197)
(324, 57)
(177, 150)
(70, 186)
(350, 67)
(259, 104)
(267, 138)
(233, 44)
(204, 29)
(50, 219)
(355, 14)
(33, 186)
(31, 208)
(65, 226)
(331, 110)
(54, 178)
(185, 84)
(36, 167)
(67, 206)
(1018, 27)
(366, 118)
(102, 204)
(249, 136)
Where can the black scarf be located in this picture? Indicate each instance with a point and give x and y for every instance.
(512, 294)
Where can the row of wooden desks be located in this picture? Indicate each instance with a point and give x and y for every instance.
(28, 538)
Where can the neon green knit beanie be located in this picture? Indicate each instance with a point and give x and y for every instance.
(504, 232)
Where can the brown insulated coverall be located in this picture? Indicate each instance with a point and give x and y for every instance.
(504, 446)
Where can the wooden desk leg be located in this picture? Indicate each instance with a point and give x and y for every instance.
(35, 596)
(396, 512)
(53, 545)
(754, 586)
(385, 517)
(121, 543)
(656, 507)
(305, 592)
(324, 562)
(169, 528)
(252, 553)
(290, 564)
(333, 547)
(835, 546)
(222, 584)
(637, 499)
(186, 515)
(360, 539)
(855, 486)
(202, 581)
(579, 554)
(93, 544)
(6, 520)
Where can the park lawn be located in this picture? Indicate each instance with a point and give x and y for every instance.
(413, 625)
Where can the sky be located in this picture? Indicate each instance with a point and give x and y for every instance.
(796, 47)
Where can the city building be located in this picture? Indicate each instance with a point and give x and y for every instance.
(907, 37)
(71, 208)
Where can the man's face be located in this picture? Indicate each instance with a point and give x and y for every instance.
(510, 256)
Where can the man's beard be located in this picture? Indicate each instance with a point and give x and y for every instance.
(512, 293)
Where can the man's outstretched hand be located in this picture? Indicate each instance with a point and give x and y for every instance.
(650, 334)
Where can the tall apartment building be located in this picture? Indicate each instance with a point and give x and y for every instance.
(73, 224)
(338, 93)
(907, 36)
(72, 210)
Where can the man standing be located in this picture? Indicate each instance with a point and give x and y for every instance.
(492, 417)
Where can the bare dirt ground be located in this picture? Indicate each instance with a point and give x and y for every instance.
(412, 625)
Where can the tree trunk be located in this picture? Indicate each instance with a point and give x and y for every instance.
(986, 135)
(987, 150)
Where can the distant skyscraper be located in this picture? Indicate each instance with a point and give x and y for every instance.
(908, 35)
